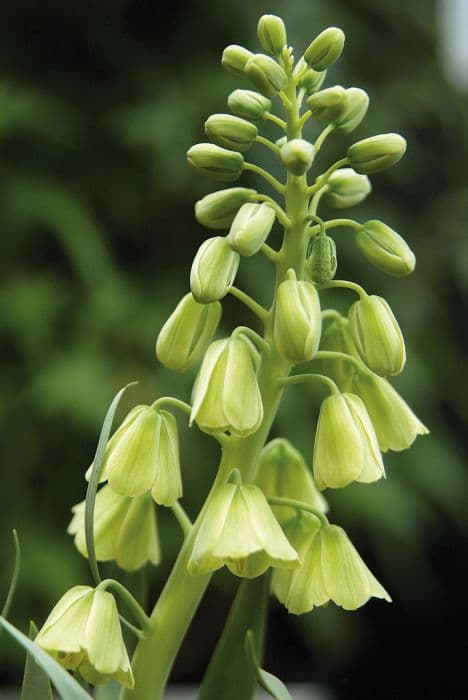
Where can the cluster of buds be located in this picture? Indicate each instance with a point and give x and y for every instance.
(266, 508)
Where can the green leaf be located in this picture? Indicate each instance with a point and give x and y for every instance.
(94, 481)
(268, 681)
(14, 576)
(36, 684)
(109, 691)
(66, 686)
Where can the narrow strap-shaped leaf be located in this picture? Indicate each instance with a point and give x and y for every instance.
(36, 684)
(94, 481)
(14, 576)
(66, 686)
(231, 675)
(268, 681)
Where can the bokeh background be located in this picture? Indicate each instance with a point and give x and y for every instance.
(98, 103)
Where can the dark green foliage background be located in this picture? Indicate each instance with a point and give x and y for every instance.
(98, 103)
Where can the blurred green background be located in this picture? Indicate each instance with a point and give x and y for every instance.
(98, 103)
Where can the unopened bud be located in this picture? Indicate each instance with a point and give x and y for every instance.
(266, 74)
(312, 80)
(234, 59)
(328, 105)
(297, 320)
(385, 249)
(337, 338)
(271, 33)
(215, 161)
(218, 209)
(213, 270)
(187, 332)
(322, 263)
(376, 153)
(377, 335)
(249, 104)
(251, 228)
(345, 188)
(297, 156)
(325, 48)
(231, 132)
(358, 103)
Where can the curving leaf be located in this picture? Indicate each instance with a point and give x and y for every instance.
(66, 686)
(268, 681)
(36, 685)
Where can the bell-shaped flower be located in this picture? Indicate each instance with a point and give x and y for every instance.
(214, 270)
(331, 570)
(325, 49)
(297, 321)
(226, 395)
(143, 455)
(346, 447)
(396, 426)
(282, 472)
(124, 529)
(377, 335)
(82, 633)
(345, 188)
(239, 530)
(187, 332)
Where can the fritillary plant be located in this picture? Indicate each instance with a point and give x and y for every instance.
(264, 517)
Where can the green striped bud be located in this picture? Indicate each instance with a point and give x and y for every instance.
(311, 81)
(385, 249)
(346, 447)
(218, 209)
(249, 104)
(297, 320)
(377, 335)
(395, 424)
(358, 103)
(297, 156)
(376, 153)
(187, 332)
(234, 59)
(213, 270)
(251, 228)
(271, 33)
(325, 48)
(322, 263)
(283, 472)
(345, 188)
(226, 396)
(266, 74)
(231, 132)
(216, 162)
(328, 105)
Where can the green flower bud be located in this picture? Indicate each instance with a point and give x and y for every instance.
(239, 530)
(124, 529)
(249, 104)
(226, 395)
(325, 48)
(282, 472)
(377, 335)
(329, 105)
(82, 633)
(213, 270)
(266, 74)
(376, 153)
(337, 338)
(322, 263)
(395, 424)
(143, 455)
(358, 103)
(251, 228)
(310, 80)
(185, 336)
(297, 156)
(218, 209)
(215, 161)
(271, 33)
(345, 188)
(385, 249)
(231, 132)
(346, 447)
(297, 320)
(234, 59)
(331, 570)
